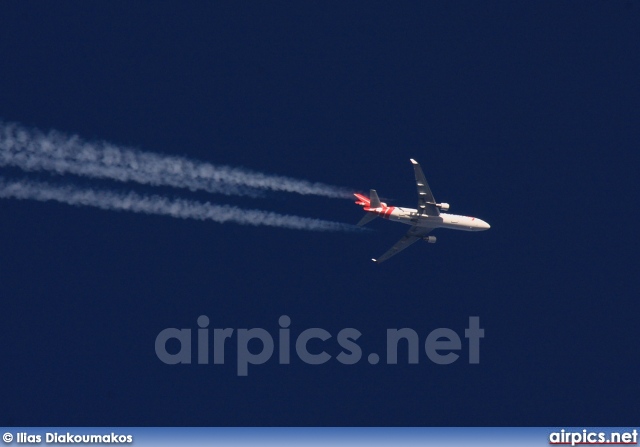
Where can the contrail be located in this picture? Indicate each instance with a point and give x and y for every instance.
(184, 209)
(33, 150)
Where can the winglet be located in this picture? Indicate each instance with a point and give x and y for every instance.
(413, 161)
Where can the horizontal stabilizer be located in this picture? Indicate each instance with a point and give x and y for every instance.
(362, 200)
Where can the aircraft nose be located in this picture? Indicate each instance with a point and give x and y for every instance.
(481, 225)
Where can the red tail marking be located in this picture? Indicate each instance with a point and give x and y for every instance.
(387, 212)
(363, 200)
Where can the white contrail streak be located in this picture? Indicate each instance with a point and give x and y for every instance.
(184, 209)
(33, 150)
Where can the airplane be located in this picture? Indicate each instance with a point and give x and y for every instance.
(423, 220)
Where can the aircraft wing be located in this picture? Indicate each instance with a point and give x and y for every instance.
(426, 201)
(366, 219)
(413, 235)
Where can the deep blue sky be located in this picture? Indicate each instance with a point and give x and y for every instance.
(526, 115)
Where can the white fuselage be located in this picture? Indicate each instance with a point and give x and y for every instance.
(411, 216)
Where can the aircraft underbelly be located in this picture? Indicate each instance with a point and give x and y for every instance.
(420, 221)
(453, 223)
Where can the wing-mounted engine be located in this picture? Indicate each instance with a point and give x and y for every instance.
(429, 239)
(443, 206)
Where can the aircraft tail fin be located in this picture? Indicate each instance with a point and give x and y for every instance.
(374, 199)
